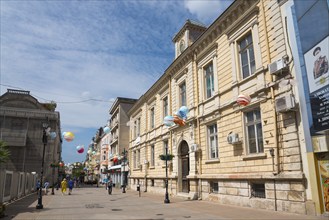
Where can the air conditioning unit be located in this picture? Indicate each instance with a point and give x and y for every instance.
(285, 103)
(194, 147)
(276, 67)
(233, 138)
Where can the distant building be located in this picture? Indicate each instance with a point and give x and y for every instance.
(21, 128)
(119, 139)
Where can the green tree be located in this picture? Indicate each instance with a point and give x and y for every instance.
(4, 152)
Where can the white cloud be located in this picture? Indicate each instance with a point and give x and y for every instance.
(207, 10)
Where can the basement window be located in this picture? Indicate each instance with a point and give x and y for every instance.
(258, 190)
(213, 187)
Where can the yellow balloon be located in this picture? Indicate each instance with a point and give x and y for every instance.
(68, 136)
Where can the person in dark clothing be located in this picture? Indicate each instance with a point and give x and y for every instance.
(109, 186)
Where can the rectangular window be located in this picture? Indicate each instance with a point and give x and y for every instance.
(209, 80)
(138, 157)
(137, 126)
(247, 57)
(152, 117)
(214, 187)
(182, 94)
(165, 106)
(254, 131)
(213, 141)
(258, 190)
(152, 155)
(165, 145)
(135, 159)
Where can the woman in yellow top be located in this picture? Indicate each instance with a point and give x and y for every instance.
(63, 186)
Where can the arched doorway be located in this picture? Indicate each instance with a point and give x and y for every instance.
(185, 166)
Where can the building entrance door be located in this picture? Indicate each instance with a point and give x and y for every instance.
(185, 166)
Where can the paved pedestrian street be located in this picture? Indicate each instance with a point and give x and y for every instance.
(95, 203)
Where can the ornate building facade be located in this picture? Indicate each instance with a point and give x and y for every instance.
(233, 154)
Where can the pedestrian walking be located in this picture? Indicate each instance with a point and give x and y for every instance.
(63, 186)
(106, 181)
(46, 185)
(71, 185)
(109, 187)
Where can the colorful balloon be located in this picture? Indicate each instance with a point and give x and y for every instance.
(243, 100)
(182, 112)
(168, 121)
(107, 130)
(53, 135)
(178, 120)
(68, 136)
(81, 150)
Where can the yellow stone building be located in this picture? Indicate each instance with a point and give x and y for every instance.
(240, 155)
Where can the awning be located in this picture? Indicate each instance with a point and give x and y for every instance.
(125, 168)
(115, 167)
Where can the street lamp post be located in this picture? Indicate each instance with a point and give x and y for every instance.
(166, 195)
(124, 174)
(46, 130)
(53, 175)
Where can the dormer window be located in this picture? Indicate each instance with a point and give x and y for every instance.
(182, 46)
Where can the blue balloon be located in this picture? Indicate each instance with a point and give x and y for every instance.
(107, 130)
(53, 135)
(182, 112)
(168, 121)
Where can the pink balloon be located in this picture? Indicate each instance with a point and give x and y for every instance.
(81, 150)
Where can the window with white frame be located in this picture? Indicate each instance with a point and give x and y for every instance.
(165, 145)
(165, 106)
(254, 131)
(152, 156)
(152, 118)
(137, 127)
(209, 80)
(212, 141)
(182, 94)
(247, 57)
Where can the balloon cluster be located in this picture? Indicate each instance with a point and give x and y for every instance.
(178, 118)
(68, 136)
(80, 149)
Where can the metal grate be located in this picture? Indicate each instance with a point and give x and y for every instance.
(258, 190)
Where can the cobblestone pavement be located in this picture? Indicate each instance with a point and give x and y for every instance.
(95, 203)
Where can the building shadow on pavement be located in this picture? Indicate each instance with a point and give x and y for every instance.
(20, 206)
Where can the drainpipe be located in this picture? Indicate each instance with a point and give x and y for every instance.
(194, 67)
(275, 134)
(274, 183)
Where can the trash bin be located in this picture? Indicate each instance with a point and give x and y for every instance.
(138, 188)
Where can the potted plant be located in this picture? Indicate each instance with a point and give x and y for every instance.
(166, 156)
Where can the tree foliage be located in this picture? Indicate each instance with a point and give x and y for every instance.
(4, 152)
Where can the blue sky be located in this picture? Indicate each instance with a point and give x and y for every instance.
(84, 54)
